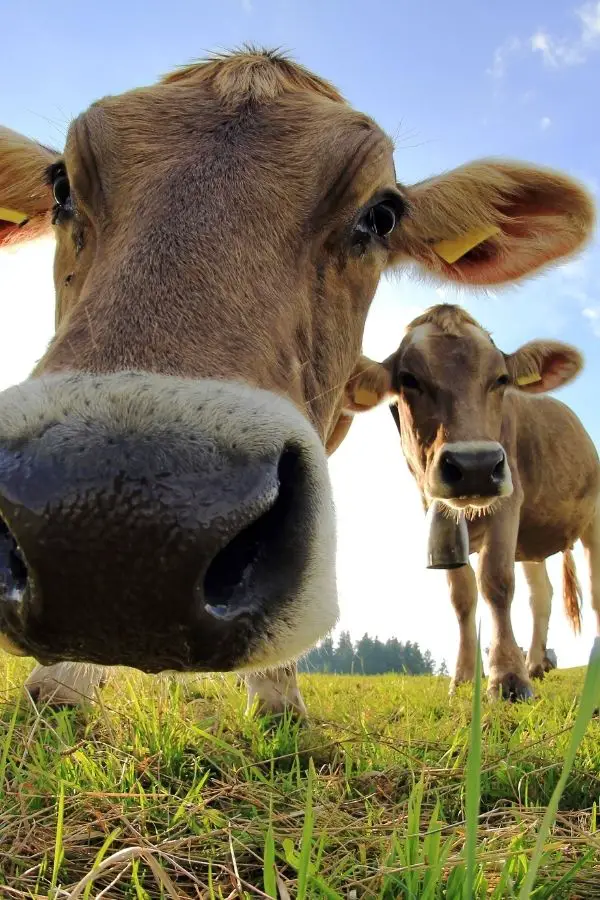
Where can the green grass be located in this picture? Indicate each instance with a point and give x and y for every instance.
(165, 789)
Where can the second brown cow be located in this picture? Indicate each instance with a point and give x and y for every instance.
(479, 435)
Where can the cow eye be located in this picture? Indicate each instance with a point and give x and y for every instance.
(408, 381)
(61, 190)
(380, 219)
(502, 381)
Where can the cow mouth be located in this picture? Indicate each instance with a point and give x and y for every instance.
(473, 506)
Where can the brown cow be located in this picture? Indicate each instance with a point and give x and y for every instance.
(478, 436)
(220, 237)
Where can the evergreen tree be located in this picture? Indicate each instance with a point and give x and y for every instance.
(363, 653)
(327, 654)
(344, 654)
(428, 663)
(369, 656)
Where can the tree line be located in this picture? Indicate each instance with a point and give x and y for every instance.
(369, 656)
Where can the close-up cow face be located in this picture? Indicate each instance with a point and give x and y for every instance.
(220, 236)
(452, 382)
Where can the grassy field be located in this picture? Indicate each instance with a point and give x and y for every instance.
(165, 789)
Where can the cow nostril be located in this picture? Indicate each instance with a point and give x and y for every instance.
(232, 576)
(498, 470)
(449, 471)
(13, 570)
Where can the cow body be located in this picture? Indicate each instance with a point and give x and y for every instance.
(220, 236)
(557, 469)
(519, 464)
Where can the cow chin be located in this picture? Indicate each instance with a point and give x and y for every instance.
(162, 524)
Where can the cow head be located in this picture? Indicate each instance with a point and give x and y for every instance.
(452, 383)
(220, 236)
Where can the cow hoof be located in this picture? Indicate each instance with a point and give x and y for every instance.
(266, 709)
(537, 672)
(456, 684)
(66, 684)
(511, 687)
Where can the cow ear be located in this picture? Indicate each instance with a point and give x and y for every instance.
(492, 222)
(25, 195)
(369, 385)
(541, 366)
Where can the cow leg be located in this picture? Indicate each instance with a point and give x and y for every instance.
(540, 602)
(66, 683)
(508, 674)
(463, 594)
(275, 690)
(591, 543)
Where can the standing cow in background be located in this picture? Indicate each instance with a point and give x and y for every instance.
(478, 436)
(164, 492)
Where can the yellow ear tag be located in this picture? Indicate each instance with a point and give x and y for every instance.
(532, 378)
(363, 397)
(12, 215)
(452, 249)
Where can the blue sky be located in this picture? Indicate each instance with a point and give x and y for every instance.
(449, 82)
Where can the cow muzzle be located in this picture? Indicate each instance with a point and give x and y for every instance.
(161, 524)
(470, 474)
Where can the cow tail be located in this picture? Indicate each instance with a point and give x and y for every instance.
(571, 591)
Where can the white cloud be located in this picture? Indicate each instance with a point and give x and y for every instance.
(592, 314)
(559, 51)
(502, 53)
(555, 51)
(590, 20)
(577, 282)
(545, 123)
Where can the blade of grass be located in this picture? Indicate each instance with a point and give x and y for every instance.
(99, 857)
(307, 830)
(412, 840)
(8, 742)
(269, 870)
(58, 843)
(587, 704)
(473, 781)
(567, 878)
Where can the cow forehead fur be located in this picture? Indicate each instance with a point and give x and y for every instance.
(252, 74)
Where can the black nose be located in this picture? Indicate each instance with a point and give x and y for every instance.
(122, 554)
(478, 471)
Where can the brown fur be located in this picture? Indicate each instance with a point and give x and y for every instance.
(447, 318)
(23, 187)
(252, 75)
(490, 192)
